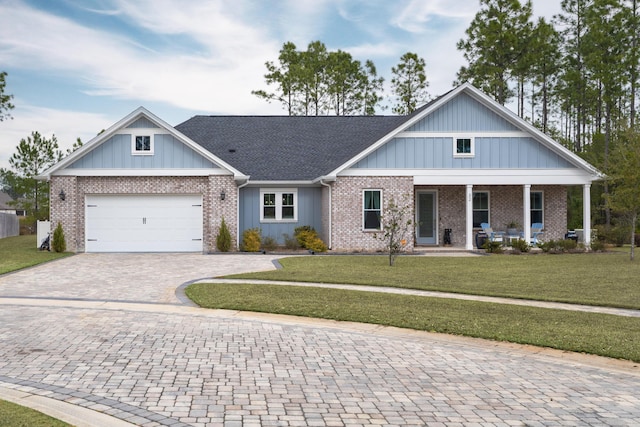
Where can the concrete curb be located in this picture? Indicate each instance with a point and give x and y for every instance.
(67, 412)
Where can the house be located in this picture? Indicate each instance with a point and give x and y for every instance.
(6, 205)
(462, 159)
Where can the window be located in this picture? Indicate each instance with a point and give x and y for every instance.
(278, 205)
(537, 207)
(372, 209)
(480, 208)
(142, 144)
(463, 147)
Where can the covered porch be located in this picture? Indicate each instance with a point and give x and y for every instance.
(450, 215)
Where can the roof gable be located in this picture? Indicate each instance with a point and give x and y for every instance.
(447, 114)
(462, 114)
(93, 154)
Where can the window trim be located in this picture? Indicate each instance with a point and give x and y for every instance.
(278, 204)
(531, 205)
(142, 152)
(472, 147)
(364, 210)
(488, 206)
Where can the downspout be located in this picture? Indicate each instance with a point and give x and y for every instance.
(330, 211)
(238, 214)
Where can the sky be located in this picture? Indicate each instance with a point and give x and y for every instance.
(76, 67)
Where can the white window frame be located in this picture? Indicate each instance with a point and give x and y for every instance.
(488, 205)
(531, 205)
(472, 147)
(278, 204)
(364, 209)
(142, 152)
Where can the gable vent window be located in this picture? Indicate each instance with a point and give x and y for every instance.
(463, 147)
(142, 144)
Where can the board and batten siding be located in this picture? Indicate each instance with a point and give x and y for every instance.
(309, 213)
(142, 123)
(463, 114)
(437, 153)
(169, 153)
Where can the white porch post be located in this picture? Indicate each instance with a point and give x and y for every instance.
(526, 209)
(586, 214)
(469, 211)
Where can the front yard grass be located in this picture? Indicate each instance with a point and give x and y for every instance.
(13, 415)
(596, 279)
(21, 251)
(601, 334)
(608, 279)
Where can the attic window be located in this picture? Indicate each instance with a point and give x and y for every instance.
(463, 147)
(142, 144)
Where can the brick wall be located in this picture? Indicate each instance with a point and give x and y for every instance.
(71, 211)
(505, 206)
(347, 233)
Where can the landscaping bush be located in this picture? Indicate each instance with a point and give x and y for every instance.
(616, 235)
(308, 238)
(223, 239)
(493, 247)
(290, 243)
(560, 246)
(59, 244)
(597, 245)
(251, 240)
(269, 243)
(520, 246)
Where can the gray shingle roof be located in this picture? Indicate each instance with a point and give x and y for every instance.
(287, 148)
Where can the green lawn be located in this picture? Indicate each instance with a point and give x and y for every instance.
(597, 279)
(21, 252)
(12, 415)
(600, 279)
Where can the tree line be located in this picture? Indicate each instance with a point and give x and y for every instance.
(317, 81)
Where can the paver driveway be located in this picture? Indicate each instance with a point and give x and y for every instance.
(107, 332)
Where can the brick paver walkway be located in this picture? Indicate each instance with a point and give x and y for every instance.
(105, 332)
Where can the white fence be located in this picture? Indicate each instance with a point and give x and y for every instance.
(9, 225)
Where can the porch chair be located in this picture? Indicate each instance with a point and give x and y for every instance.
(494, 236)
(536, 233)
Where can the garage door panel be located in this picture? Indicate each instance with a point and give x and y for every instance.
(144, 223)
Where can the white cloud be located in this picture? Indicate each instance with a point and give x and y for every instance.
(219, 79)
(67, 125)
(415, 15)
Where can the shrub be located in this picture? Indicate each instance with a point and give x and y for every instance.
(269, 243)
(308, 238)
(315, 244)
(597, 245)
(251, 240)
(290, 242)
(567, 245)
(520, 245)
(223, 239)
(493, 247)
(559, 246)
(59, 244)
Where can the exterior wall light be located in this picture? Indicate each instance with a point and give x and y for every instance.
(222, 195)
(62, 195)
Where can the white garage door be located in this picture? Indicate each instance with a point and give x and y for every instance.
(143, 223)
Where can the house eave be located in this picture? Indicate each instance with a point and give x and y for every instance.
(482, 176)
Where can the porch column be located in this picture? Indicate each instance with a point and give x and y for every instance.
(586, 214)
(469, 211)
(526, 211)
